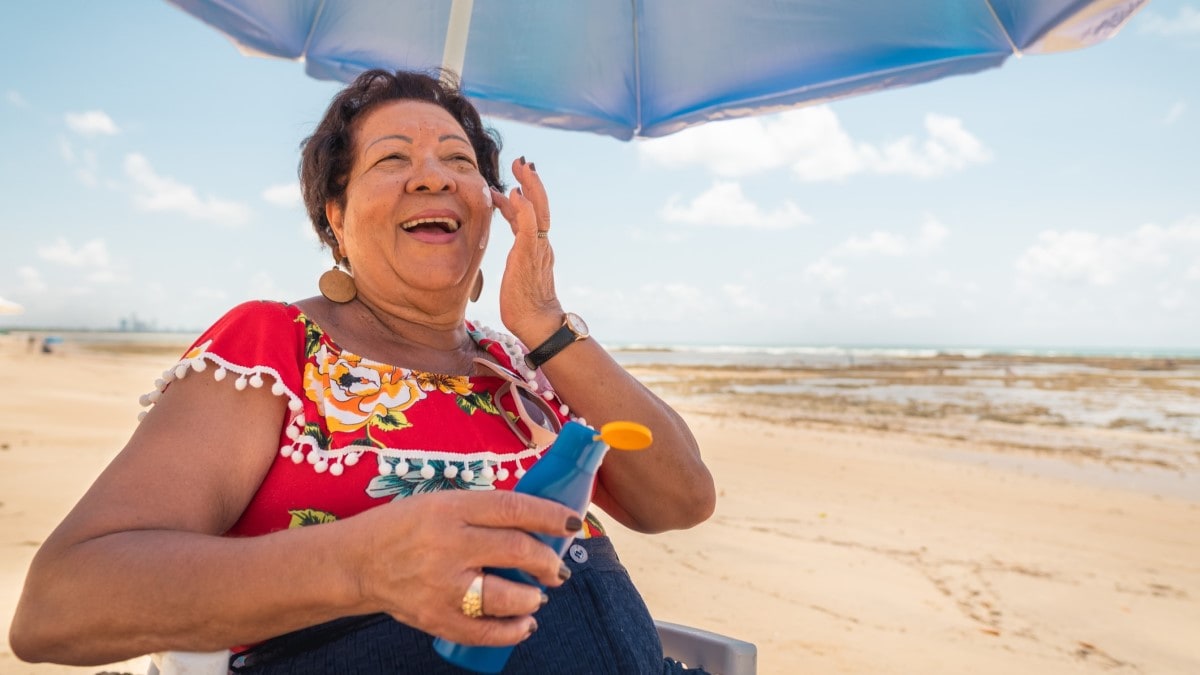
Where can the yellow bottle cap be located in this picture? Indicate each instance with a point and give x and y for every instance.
(626, 435)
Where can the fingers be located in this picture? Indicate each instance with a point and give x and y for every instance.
(534, 190)
(523, 512)
(504, 598)
(526, 208)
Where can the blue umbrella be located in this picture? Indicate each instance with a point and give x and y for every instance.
(653, 67)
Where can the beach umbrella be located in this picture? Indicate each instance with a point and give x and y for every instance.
(649, 68)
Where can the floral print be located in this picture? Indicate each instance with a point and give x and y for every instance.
(355, 393)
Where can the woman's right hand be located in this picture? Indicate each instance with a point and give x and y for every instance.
(419, 555)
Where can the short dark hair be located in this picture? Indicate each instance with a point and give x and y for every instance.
(325, 156)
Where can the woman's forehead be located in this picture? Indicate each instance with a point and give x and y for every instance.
(411, 120)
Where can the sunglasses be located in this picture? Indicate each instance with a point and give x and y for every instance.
(534, 411)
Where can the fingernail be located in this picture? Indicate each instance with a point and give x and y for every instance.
(533, 167)
(520, 193)
(564, 572)
(532, 628)
(521, 159)
(574, 524)
(545, 598)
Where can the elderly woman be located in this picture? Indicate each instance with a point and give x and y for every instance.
(377, 415)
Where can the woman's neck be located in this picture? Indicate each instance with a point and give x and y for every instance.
(400, 335)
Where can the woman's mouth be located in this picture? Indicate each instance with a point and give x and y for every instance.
(437, 230)
(448, 225)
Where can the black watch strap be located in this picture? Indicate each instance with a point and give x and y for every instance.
(553, 345)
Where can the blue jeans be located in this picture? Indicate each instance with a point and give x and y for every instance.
(594, 623)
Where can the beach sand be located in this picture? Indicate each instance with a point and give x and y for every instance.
(852, 535)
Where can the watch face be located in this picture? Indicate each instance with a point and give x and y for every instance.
(577, 325)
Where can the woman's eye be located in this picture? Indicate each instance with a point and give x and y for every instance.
(394, 157)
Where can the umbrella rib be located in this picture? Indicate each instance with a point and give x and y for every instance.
(1003, 30)
(637, 70)
(312, 30)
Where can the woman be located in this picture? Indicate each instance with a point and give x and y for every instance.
(358, 411)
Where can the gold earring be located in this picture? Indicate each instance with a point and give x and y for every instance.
(477, 287)
(336, 285)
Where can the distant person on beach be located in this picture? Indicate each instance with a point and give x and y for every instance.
(319, 486)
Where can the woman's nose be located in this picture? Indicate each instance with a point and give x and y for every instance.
(431, 176)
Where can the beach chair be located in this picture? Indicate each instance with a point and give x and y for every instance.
(718, 654)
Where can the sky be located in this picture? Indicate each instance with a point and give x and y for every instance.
(148, 170)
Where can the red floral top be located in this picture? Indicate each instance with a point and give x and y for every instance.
(359, 433)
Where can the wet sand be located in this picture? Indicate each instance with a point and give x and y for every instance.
(935, 515)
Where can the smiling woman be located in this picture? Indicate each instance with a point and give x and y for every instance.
(326, 490)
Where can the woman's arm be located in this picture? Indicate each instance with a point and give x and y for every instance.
(138, 566)
(665, 486)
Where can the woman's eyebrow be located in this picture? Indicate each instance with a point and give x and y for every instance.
(401, 137)
(456, 137)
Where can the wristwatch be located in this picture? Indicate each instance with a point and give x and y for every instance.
(573, 329)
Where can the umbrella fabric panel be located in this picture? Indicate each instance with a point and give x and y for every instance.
(1058, 25)
(562, 64)
(259, 28)
(765, 53)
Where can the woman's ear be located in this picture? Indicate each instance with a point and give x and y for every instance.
(334, 213)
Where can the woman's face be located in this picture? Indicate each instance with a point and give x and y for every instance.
(417, 210)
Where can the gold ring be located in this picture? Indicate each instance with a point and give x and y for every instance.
(543, 234)
(472, 602)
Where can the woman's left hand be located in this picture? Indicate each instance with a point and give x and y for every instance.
(529, 306)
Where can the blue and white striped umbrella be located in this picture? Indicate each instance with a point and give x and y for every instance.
(631, 68)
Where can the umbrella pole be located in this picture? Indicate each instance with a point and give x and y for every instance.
(455, 50)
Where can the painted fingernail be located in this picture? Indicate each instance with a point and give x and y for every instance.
(574, 524)
(564, 572)
(533, 167)
(532, 628)
(544, 599)
(520, 193)
(521, 159)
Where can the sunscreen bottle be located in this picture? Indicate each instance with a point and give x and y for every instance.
(565, 474)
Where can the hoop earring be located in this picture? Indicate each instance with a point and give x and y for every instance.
(336, 285)
(477, 287)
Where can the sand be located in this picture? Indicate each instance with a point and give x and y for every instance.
(851, 536)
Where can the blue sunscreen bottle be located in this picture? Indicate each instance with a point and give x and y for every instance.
(565, 474)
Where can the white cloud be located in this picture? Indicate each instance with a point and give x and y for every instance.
(1174, 113)
(653, 302)
(1187, 22)
(825, 273)
(879, 242)
(886, 301)
(816, 147)
(159, 193)
(724, 204)
(1193, 272)
(92, 123)
(15, 99)
(1088, 258)
(932, 234)
(93, 254)
(31, 279)
(286, 195)
(85, 163)
(876, 243)
(263, 287)
(743, 297)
